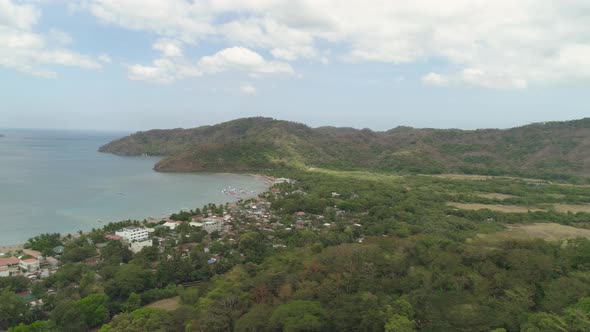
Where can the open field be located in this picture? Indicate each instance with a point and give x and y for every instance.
(166, 304)
(545, 231)
(494, 207)
(571, 208)
(496, 196)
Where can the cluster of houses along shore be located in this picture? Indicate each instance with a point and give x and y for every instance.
(30, 263)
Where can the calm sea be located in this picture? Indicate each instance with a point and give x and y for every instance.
(56, 181)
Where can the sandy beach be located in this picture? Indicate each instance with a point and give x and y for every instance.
(15, 247)
(269, 180)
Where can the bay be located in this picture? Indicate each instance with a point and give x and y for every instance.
(57, 181)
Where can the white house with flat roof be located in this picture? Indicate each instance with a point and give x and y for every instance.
(213, 224)
(136, 246)
(29, 264)
(133, 234)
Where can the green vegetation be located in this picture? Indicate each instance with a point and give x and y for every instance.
(346, 245)
(554, 150)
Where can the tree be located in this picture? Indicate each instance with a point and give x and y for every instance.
(13, 309)
(133, 302)
(68, 317)
(298, 316)
(94, 309)
(190, 296)
(256, 319)
(399, 323)
(38, 326)
(144, 319)
(129, 278)
(253, 246)
(544, 322)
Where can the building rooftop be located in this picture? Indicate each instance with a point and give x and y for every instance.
(8, 261)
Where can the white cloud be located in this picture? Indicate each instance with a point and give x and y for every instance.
(169, 48)
(496, 44)
(105, 58)
(238, 59)
(33, 53)
(248, 89)
(435, 79)
(163, 71)
(243, 59)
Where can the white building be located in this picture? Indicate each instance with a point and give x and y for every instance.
(213, 224)
(136, 247)
(172, 224)
(29, 264)
(133, 234)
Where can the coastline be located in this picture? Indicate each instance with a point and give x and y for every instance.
(10, 248)
(267, 180)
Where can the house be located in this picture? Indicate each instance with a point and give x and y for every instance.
(133, 234)
(52, 261)
(197, 218)
(113, 237)
(29, 265)
(213, 224)
(196, 224)
(172, 224)
(136, 246)
(8, 266)
(28, 297)
(36, 254)
(283, 180)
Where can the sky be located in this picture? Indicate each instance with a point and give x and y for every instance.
(141, 64)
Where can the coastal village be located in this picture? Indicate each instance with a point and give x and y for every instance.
(213, 232)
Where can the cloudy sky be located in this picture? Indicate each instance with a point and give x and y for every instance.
(141, 64)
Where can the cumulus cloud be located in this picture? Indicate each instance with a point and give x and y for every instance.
(105, 58)
(27, 51)
(169, 48)
(163, 71)
(495, 44)
(238, 59)
(248, 89)
(434, 79)
(243, 59)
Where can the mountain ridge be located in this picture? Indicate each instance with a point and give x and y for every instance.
(549, 149)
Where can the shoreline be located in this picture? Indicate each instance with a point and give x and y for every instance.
(268, 181)
(11, 248)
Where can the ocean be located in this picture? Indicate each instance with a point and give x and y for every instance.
(57, 181)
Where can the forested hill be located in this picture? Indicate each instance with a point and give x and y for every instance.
(550, 150)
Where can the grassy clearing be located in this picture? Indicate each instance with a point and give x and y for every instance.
(166, 304)
(494, 207)
(496, 196)
(571, 208)
(545, 231)
(361, 175)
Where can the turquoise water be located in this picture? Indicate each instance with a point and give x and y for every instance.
(56, 181)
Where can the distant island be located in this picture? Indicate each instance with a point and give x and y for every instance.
(551, 150)
(1, 135)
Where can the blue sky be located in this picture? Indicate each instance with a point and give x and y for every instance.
(136, 65)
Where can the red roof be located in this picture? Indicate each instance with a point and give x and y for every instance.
(30, 260)
(32, 252)
(8, 261)
(113, 237)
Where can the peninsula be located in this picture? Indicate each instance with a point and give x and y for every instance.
(548, 150)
